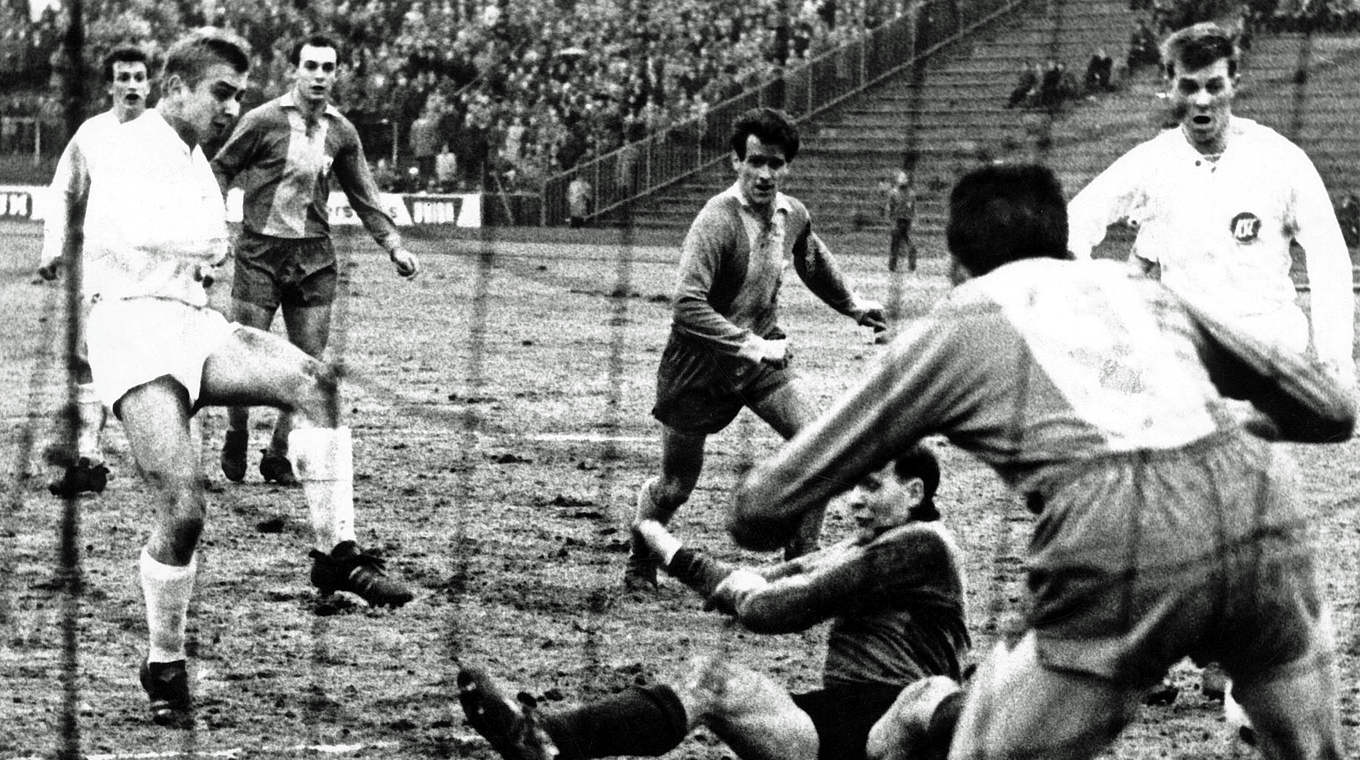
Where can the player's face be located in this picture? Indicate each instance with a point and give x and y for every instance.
(761, 172)
(211, 107)
(1203, 99)
(128, 89)
(882, 501)
(314, 76)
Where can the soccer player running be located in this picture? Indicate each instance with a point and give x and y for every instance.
(127, 82)
(153, 217)
(283, 154)
(726, 349)
(894, 596)
(1217, 203)
(1165, 527)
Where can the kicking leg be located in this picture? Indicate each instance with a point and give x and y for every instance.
(156, 418)
(1019, 709)
(254, 367)
(682, 459)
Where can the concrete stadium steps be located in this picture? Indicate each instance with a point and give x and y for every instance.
(956, 110)
(956, 113)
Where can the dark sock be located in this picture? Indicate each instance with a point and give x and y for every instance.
(641, 720)
(697, 570)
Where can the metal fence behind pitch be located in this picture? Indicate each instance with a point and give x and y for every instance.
(662, 158)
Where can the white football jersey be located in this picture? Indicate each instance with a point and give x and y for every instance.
(1221, 231)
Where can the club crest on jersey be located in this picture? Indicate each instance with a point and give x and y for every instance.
(1246, 226)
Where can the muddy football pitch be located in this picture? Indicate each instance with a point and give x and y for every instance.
(500, 408)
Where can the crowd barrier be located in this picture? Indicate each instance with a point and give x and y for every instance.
(456, 209)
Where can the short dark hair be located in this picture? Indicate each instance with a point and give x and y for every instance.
(193, 53)
(124, 54)
(771, 126)
(920, 462)
(1001, 213)
(1198, 46)
(314, 40)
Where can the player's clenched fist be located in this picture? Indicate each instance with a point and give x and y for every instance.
(406, 262)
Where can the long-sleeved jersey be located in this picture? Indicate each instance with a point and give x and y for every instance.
(896, 604)
(732, 265)
(1037, 367)
(1221, 231)
(284, 166)
(142, 208)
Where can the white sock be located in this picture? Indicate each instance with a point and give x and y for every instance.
(90, 421)
(323, 460)
(167, 589)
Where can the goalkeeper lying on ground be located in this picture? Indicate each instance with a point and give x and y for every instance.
(895, 595)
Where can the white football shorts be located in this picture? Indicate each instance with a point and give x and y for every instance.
(134, 341)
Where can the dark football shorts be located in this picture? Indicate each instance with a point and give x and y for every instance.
(1143, 558)
(272, 271)
(843, 716)
(700, 391)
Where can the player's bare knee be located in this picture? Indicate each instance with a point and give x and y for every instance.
(715, 688)
(315, 398)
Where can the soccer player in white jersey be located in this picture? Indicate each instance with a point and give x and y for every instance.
(125, 76)
(1217, 203)
(153, 217)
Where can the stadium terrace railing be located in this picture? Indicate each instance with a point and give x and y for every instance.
(635, 170)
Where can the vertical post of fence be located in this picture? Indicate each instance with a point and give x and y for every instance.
(395, 132)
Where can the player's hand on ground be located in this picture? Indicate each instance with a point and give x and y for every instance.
(733, 588)
(407, 264)
(873, 316)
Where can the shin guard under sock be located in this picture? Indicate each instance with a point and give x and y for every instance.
(167, 589)
(323, 459)
(641, 720)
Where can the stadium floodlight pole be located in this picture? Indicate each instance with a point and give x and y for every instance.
(69, 570)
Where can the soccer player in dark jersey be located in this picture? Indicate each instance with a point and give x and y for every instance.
(894, 596)
(726, 349)
(283, 154)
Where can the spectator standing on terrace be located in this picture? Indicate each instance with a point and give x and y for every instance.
(578, 201)
(425, 139)
(128, 82)
(726, 349)
(283, 154)
(901, 210)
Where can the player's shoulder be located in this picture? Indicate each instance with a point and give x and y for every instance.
(266, 113)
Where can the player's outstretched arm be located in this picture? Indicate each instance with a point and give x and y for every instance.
(1302, 399)
(64, 228)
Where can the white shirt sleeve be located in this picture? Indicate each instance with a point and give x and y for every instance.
(1328, 263)
(67, 194)
(1114, 195)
